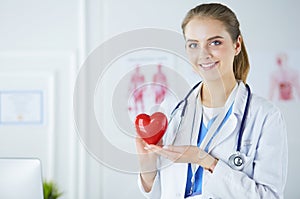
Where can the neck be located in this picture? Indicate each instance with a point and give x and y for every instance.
(215, 93)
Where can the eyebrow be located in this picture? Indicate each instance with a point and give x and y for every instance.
(209, 39)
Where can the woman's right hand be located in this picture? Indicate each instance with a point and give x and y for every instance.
(148, 162)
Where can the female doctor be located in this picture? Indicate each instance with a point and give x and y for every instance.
(223, 141)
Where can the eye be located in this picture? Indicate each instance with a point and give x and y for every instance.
(216, 43)
(193, 45)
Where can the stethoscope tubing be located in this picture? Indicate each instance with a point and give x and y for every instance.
(243, 122)
(185, 101)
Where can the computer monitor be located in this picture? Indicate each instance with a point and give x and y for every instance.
(21, 178)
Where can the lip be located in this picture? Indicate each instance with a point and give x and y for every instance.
(208, 66)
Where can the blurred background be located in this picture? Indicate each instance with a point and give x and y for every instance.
(43, 45)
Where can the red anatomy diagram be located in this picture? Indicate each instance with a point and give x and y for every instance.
(284, 80)
(138, 88)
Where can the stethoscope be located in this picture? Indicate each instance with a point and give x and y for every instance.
(237, 159)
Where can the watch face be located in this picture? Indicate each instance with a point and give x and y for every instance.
(237, 161)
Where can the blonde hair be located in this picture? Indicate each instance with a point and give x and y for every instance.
(222, 13)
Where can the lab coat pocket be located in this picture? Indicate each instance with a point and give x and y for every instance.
(248, 168)
(246, 147)
(249, 155)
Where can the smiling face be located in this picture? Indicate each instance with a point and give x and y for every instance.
(210, 49)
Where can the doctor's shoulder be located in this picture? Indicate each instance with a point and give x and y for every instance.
(266, 112)
(264, 105)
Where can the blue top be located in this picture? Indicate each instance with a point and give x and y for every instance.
(197, 188)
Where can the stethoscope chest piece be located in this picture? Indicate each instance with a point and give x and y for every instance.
(237, 161)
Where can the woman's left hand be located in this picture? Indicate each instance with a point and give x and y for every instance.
(184, 154)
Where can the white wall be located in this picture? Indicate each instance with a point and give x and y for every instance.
(56, 36)
(39, 25)
(39, 44)
(267, 27)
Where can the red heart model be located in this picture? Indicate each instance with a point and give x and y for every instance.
(151, 128)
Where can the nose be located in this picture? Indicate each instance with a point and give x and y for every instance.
(203, 53)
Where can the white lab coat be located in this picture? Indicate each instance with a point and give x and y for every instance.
(264, 143)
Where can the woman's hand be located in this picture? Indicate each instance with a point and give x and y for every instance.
(185, 154)
(147, 161)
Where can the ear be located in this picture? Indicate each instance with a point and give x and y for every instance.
(238, 45)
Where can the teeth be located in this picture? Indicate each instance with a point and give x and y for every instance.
(207, 65)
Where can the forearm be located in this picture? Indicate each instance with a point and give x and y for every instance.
(155, 191)
(206, 160)
(213, 165)
(147, 180)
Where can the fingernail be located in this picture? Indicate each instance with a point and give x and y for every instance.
(147, 147)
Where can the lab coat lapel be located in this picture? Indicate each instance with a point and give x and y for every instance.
(196, 121)
(188, 132)
(231, 124)
(227, 129)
